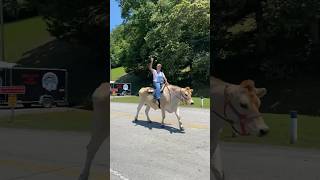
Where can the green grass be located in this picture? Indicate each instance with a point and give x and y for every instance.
(135, 99)
(116, 73)
(308, 132)
(79, 121)
(23, 36)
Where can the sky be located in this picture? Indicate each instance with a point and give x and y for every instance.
(115, 14)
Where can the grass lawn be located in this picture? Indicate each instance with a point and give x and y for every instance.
(116, 73)
(24, 35)
(135, 99)
(60, 121)
(308, 132)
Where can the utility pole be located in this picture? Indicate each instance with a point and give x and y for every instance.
(1, 32)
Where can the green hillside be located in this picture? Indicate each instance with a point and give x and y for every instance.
(23, 36)
(116, 73)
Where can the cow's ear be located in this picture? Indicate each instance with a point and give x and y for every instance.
(191, 90)
(261, 92)
(187, 88)
(248, 84)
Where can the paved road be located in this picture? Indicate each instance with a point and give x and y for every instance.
(263, 162)
(49, 155)
(4, 111)
(143, 151)
(146, 151)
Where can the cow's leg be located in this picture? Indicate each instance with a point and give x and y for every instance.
(92, 148)
(138, 110)
(99, 130)
(217, 164)
(147, 113)
(177, 112)
(163, 116)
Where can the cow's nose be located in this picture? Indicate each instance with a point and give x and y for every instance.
(263, 132)
(192, 103)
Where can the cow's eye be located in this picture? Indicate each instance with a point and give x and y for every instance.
(244, 106)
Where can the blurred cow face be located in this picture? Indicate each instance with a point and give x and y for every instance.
(186, 94)
(243, 107)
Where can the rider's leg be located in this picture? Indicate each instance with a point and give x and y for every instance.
(157, 92)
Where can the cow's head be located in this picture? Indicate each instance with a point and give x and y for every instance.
(186, 94)
(242, 105)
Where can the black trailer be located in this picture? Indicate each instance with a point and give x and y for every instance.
(44, 87)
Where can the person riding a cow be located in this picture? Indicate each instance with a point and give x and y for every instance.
(158, 80)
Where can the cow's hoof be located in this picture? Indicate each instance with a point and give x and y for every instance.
(135, 120)
(149, 121)
(181, 129)
(162, 125)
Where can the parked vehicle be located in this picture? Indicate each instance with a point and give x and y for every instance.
(46, 87)
(120, 89)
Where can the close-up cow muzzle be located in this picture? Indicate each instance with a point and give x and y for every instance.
(192, 103)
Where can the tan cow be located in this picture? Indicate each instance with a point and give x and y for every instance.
(238, 105)
(169, 101)
(101, 106)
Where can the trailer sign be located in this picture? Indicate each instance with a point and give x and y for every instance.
(120, 89)
(12, 89)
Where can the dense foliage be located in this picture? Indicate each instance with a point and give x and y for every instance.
(176, 32)
(274, 42)
(77, 20)
(18, 9)
(277, 39)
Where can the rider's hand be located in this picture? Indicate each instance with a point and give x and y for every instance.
(151, 59)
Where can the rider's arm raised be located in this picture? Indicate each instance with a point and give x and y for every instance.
(150, 65)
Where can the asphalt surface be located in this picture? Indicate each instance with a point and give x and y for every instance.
(46, 155)
(143, 151)
(264, 162)
(146, 151)
(4, 111)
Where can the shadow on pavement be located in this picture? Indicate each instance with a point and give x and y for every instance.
(157, 125)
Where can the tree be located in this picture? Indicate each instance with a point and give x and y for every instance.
(270, 37)
(78, 21)
(18, 9)
(83, 26)
(118, 46)
(177, 32)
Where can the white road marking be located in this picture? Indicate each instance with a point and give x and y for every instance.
(116, 173)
